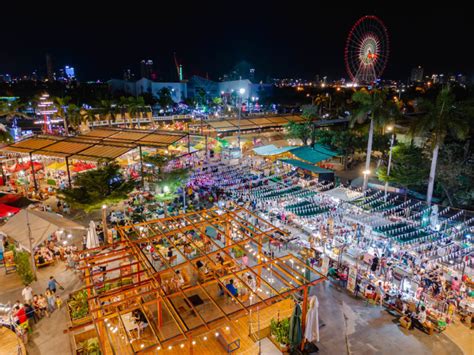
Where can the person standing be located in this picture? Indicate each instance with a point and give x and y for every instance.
(375, 263)
(27, 294)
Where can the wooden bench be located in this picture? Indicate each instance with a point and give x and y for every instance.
(46, 263)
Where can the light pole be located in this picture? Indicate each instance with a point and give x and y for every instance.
(392, 139)
(241, 93)
(366, 174)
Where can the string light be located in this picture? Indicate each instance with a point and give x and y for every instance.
(205, 338)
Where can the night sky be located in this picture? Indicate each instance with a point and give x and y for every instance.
(298, 39)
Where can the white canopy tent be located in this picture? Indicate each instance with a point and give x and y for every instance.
(343, 194)
(40, 225)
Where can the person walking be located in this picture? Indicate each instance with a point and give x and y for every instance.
(50, 299)
(52, 283)
(27, 294)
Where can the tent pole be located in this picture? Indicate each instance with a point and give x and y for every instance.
(189, 143)
(33, 172)
(32, 254)
(206, 147)
(68, 172)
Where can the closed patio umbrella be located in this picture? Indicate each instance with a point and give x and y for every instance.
(311, 332)
(92, 240)
(295, 335)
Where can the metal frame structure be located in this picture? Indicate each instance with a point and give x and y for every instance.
(171, 313)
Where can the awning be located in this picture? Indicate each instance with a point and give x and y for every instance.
(42, 225)
(7, 211)
(314, 154)
(306, 166)
(271, 150)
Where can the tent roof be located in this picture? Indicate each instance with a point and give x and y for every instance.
(104, 143)
(42, 225)
(271, 150)
(306, 166)
(314, 154)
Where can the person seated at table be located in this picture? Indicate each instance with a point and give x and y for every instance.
(170, 252)
(418, 319)
(177, 280)
(219, 258)
(140, 319)
(398, 303)
(231, 288)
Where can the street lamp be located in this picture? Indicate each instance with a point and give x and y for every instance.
(392, 140)
(366, 174)
(241, 92)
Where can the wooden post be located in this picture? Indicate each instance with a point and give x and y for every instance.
(260, 268)
(141, 165)
(68, 172)
(228, 231)
(207, 157)
(159, 312)
(305, 309)
(190, 339)
(33, 172)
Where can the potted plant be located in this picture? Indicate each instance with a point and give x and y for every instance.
(78, 307)
(238, 252)
(283, 332)
(90, 347)
(274, 324)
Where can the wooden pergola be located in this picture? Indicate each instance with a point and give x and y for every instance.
(138, 273)
(99, 144)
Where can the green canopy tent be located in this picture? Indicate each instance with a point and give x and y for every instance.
(306, 166)
(313, 155)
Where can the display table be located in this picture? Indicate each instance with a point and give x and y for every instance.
(11, 343)
(229, 339)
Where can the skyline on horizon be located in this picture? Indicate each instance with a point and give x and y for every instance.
(278, 41)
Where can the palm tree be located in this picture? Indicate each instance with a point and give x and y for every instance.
(372, 105)
(107, 109)
(11, 109)
(74, 116)
(136, 107)
(61, 103)
(89, 115)
(442, 116)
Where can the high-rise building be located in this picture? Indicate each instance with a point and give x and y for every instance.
(49, 68)
(146, 68)
(128, 75)
(416, 75)
(252, 74)
(70, 73)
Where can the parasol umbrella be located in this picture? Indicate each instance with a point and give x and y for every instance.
(92, 240)
(57, 166)
(295, 336)
(311, 332)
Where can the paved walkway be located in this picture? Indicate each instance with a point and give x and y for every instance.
(48, 337)
(352, 327)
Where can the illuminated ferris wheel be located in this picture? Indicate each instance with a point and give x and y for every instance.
(367, 49)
